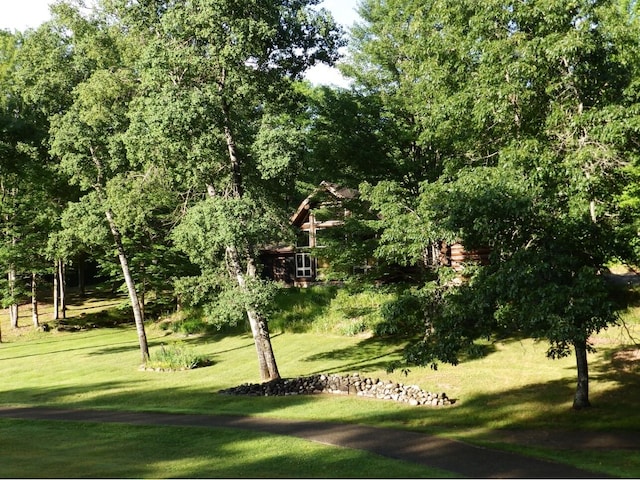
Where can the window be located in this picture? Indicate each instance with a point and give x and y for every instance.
(364, 268)
(302, 239)
(304, 265)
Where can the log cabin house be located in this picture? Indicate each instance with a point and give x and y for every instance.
(455, 256)
(324, 209)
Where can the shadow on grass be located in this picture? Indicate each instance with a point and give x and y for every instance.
(537, 405)
(538, 420)
(133, 396)
(120, 348)
(376, 353)
(438, 420)
(364, 356)
(112, 313)
(190, 340)
(180, 452)
(619, 366)
(115, 348)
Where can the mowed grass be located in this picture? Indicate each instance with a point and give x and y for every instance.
(514, 386)
(47, 449)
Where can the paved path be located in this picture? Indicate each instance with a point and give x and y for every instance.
(458, 457)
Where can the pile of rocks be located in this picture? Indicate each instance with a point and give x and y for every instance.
(343, 385)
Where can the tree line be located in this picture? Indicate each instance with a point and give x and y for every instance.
(169, 141)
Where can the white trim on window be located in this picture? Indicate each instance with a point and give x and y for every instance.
(304, 265)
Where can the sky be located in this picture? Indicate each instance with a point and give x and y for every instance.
(23, 14)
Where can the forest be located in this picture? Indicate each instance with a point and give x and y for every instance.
(168, 141)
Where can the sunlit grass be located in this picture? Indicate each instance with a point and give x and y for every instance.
(48, 449)
(514, 386)
(329, 310)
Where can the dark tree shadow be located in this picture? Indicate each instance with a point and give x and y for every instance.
(364, 356)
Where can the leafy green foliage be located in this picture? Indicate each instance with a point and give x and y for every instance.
(346, 251)
(346, 134)
(28, 207)
(523, 121)
(404, 234)
(501, 125)
(401, 316)
(219, 300)
(187, 326)
(215, 223)
(175, 357)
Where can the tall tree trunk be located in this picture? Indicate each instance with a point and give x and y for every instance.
(581, 398)
(62, 288)
(236, 183)
(259, 326)
(14, 315)
(263, 329)
(143, 291)
(56, 294)
(133, 295)
(13, 308)
(34, 300)
(11, 274)
(124, 265)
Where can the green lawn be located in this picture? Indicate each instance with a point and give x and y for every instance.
(513, 387)
(47, 449)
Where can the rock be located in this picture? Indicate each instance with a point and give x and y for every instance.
(352, 384)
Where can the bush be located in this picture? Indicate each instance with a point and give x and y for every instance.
(401, 316)
(190, 326)
(175, 357)
(353, 326)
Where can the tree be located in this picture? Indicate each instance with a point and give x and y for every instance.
(524, 112)
(210, 72)
(26, 205)
(146, 204)
(88, 116)
(345, 138)
(43, 78)
(86, 140)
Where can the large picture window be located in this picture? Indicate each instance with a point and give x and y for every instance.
(304, 264)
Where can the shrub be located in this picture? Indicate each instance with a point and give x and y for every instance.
(189, 326)
(402, 316)
(175, 357)
(353, 326)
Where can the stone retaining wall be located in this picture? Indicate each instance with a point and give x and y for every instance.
(342, 385)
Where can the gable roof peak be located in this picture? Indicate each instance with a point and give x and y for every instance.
(338, 191)
(341, 193)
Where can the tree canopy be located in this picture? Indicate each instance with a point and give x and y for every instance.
(524, 114)
(171, 141)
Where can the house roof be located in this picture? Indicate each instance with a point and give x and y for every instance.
(341, 193)
(338, 191)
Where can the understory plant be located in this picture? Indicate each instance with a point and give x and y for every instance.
(175, 356)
